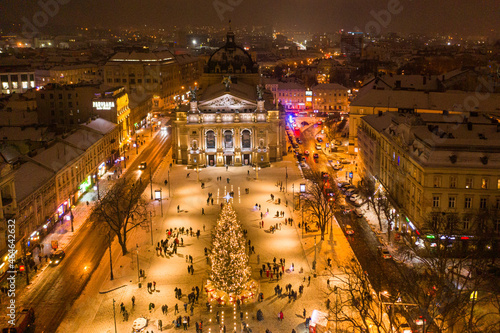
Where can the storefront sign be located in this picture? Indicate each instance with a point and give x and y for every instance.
(103, 105)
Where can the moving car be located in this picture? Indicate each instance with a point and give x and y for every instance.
(343, 184)
(319, 139)
(384, 252)
(318, 146)
(306, 152)
(316, 155)
(349, 230)
(354, 197)
(57, 257)
(143, 166)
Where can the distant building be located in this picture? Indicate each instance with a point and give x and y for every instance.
(442, 173)
(69, 74)
(113, 106)
(292, 96)
(330, 97)
(16, 79)
(351, 44)
(65, 105)
(158, 74)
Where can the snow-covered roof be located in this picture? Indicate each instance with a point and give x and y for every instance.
(291, 86)
(450, 100)
(58, 155)
(434, 140)
(28, 178)
(329, 86)
(101, 125)
(83, 139)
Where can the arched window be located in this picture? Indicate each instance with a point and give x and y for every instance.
(228, 139)
(210, 140)
(245, 139)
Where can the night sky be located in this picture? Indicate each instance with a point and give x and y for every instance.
(466, 17)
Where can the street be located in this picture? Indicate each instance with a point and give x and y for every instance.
(55, 290)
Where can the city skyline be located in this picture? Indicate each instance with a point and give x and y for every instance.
(315, 16)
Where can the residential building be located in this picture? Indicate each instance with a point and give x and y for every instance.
(113, 106)
(292, 96)
(373, 101)
(330, 97)
(16, 79)
(437, 168)
(65, 105)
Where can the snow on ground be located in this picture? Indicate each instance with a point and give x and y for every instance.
(93, 311)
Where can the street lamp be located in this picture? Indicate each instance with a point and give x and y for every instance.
(110, 257)
(158, 196)
(151, 182)
(114, 313)
(256, 168)
(151, 222)
(138, 270)
(169, 183)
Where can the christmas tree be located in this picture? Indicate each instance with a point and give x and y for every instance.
(229, 269)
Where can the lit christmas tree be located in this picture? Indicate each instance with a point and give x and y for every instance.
(229, 271)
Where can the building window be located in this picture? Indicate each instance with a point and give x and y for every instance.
(484, 183)
(228, 139)
(466, 223)
(451, 202)
(453, 182)
(498, 203)
(468, 182)
(437, 181)
(245, 139)
(210, 140)
(483, 202)
(468, 203)
(435, 201)
(497, 225)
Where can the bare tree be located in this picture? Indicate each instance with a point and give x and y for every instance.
(320, 205)
(356, 306)
(122, 209)
(446, 282)
(368, 189)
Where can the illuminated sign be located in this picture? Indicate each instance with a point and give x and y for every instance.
(103, 105)
(309, 93)
(309, 99)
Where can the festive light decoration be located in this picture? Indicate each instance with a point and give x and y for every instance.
(229, 271)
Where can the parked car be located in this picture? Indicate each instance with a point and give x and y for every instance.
(316, 155)
(57, 257)
(354, 197)
(143, 166)
(349, 230)
(318, 146)
(343, 184)
(337, 167)
(306, 152)
(357, 212)
(384, 252)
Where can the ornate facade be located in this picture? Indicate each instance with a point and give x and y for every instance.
(233, 122)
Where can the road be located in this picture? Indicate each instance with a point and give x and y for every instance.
(383, 273)
(53, 293)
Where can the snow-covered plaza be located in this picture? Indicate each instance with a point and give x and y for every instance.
(93, 311)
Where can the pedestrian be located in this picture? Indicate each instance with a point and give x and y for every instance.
(154, 285)
(176, 308)
(304, 313)
(178, 208)
(203, 211)
(160, 325)
(203, 227)
(133, 301)
(185, 307)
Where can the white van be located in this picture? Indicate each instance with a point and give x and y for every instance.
(318, 146)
